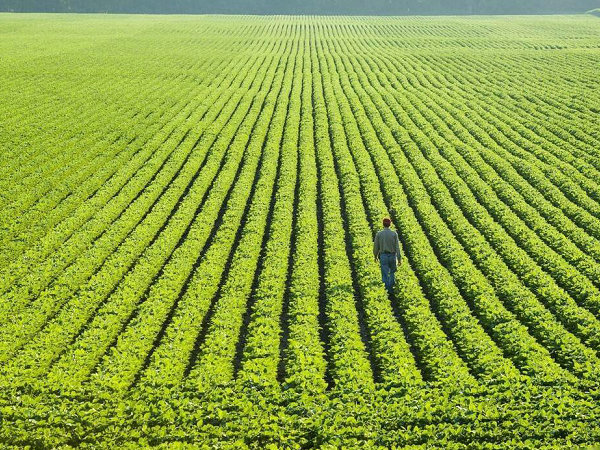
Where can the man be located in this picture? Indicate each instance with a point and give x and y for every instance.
(386, 249)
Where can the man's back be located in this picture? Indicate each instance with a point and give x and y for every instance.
(386, 241)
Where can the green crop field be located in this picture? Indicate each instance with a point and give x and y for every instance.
(187, 209)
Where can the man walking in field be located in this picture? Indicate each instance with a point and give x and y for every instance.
(386, 249)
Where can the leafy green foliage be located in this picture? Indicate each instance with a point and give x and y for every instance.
(187, 211)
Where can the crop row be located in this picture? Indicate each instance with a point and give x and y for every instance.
(40, 196)
(542, 334)
(150, 227)
(187, 230)
(506, 283)
(202, 336)
(147, 188)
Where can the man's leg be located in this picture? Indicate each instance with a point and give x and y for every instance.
(384, 270)
(390, 276)
(393, 268)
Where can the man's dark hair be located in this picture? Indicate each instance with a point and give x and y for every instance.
(387, 222)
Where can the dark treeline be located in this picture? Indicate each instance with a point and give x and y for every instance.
(378, 7)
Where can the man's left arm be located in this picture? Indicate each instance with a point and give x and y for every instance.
(398, 252)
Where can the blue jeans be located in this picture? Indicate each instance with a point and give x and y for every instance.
(388, 269)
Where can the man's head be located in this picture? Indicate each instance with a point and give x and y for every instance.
(387, 222)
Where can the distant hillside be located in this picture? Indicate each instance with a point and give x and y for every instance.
(595, 12)
(351, 7)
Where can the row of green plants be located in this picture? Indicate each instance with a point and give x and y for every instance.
(448, 301)
(114, 253)
(224, 298)
(157, 225)
(349, 364)
(507, 284)
(523, 416)
(234, 180)
(87, 164)
(188, 229)
(495, 184)
(305, 369)
(437, 357)
(511, 292)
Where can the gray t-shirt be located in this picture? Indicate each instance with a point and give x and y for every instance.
(387, 241)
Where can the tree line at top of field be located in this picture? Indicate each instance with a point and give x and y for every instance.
(357, 7)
